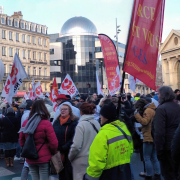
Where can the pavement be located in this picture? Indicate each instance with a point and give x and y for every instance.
(14, 173)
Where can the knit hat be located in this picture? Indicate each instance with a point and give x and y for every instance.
(29, 104)
(10, 110)
(109, 111)
(23, 106)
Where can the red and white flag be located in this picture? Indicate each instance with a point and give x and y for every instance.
(25, 96)
(99, 89)
(32, 94)
(14, 80)
(68, 87)
(54, 93)
(38, 89)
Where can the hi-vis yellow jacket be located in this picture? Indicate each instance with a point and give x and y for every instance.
(110, 153)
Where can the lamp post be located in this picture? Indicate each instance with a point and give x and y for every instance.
(116, 36)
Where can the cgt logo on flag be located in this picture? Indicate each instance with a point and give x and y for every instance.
(7, 87)
(66, 84)
(13, 74)
(38, 90)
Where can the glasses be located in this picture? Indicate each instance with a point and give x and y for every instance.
(64, 109)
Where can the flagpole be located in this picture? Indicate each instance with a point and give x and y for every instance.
(123, 74)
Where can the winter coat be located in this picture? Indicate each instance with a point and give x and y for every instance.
(83, 138)
(10, 126)
(44, 131)
(146, 121)
(165, 123)
(65, 134)
(128, 108)
(75, 111)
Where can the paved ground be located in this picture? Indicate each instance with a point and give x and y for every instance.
(14, 173)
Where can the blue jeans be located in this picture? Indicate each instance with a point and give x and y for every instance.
(18, 150)
(39, 171)
(150, 157)
(24, 173)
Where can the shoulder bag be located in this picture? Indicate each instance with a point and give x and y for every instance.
(93, 126)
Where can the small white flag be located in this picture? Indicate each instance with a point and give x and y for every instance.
(132, 83)
(99, 89)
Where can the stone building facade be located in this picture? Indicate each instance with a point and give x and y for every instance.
(31, 42)
(170, 58)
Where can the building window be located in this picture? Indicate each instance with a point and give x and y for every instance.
(33, 27)
(45, 43)
(45, 71)
(39, 29)
(23, 38)
(16, 23)
(29, 70)
(22, 25)
(44, 30)
(45, 87)
(24, 54)
(10, 52)
(51, 51)
(3, 51)
(34, 55)
(17, 51)
(40, 71)
(39, 41)
(29, 54)
(9, 22)
(39, 56)
(4, 68)
(34, 40)
(2, 20)
(34, 71)
(44, 56)
(17, 37)
(28, 39)
(10, 68)
(3, 34)
(10, 35)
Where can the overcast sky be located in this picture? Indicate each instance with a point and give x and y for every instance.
(53, 13)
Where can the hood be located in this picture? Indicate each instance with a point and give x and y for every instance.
(110, 126)
(151, 106)
(50, 110)
(87, 117)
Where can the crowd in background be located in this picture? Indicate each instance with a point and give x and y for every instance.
(95, 141)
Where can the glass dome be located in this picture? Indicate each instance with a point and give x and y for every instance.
(78, 26)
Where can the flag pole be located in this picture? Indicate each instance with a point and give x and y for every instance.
(123, 74)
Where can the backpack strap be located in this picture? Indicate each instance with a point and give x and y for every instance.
(41, 145)
(125, 135)
(93, 126)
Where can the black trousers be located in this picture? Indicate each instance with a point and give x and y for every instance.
(167, 166)
(10, 153)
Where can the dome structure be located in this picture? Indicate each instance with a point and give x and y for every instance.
(78, 26)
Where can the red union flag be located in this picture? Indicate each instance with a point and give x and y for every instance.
(111, 63)
(38, 89)
(144, 40)
(54, 94)
(68, 87)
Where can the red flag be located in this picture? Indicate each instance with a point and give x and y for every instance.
(54, 93)
(144, 40)
(111, 63)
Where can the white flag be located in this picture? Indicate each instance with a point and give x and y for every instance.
(26, 97)
(38, 89)
(99, 89)
(132, 83)
(32, 94)
(68, 87)
(14, 80)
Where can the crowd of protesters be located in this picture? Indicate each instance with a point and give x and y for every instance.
(95, 141)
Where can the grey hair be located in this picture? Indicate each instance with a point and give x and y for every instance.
(10, 110)
(90, 99)
(166, 94)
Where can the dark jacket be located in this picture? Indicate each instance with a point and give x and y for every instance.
(64, 144)
(128, 108)
(10, 126)
(165, 123)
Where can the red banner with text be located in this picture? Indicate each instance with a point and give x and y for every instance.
(111, 64)
(144, 40)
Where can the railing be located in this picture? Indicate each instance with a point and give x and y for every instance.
(38, 62)
(40, 77)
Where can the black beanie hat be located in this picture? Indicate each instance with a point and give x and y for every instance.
(109, 111)
(29, 104)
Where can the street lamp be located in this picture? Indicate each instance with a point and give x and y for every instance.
(116, 36)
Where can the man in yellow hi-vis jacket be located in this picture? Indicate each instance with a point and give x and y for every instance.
(111, 150)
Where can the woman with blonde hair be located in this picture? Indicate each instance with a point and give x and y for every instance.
(64, 127)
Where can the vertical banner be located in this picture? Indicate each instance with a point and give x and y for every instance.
(144, 40)
(68, 87)
(111, 63)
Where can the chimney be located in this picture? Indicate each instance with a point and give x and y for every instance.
(17, 15)
(1, 10)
